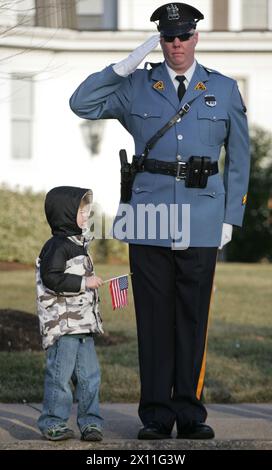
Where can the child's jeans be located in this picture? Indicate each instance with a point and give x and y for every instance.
(71, 358)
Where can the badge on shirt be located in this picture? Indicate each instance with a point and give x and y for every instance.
(200, 86)
(210, 100)
(244, 200)
(159, 86)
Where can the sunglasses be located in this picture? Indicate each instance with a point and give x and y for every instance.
(182, 37)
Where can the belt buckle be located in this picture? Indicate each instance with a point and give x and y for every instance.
(181, 171)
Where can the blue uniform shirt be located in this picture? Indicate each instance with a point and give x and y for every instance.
(144, 102)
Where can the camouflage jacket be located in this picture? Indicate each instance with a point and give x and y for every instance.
(67, 312)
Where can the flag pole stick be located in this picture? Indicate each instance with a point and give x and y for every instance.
(108, 280)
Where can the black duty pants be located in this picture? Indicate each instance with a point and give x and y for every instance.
(172, 290)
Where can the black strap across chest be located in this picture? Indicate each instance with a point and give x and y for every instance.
(160, 133)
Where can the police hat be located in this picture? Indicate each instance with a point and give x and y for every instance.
(176, 18)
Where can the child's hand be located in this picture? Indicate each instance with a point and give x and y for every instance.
(93, 282)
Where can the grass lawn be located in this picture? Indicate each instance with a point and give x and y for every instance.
(239, 351)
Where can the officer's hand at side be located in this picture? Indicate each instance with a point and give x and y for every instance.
(130, 63)
(93, 282)
(226, 235)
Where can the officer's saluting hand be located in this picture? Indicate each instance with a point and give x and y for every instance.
(130, 63)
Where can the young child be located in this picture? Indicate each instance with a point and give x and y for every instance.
(67, 302)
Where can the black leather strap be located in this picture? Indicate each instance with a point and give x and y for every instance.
(177, 118)
(177, 169)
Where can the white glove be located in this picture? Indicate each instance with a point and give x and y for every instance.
(226, 235)
(130, 63)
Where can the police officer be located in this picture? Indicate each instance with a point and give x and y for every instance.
(172, 287)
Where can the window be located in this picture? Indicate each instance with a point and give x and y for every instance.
(90, 14)
(97, 14)
(255, 14)
(21, 116)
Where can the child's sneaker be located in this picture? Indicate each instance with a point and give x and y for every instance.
(59, 432)
(91, 432)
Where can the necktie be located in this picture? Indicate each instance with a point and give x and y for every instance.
(181, 88)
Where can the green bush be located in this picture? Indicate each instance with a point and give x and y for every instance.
(23, 227)
(253, 242)
(24, 230)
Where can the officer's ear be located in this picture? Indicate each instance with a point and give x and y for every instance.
(195, 38)
(162, 44)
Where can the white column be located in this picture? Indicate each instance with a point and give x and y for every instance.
(124, 15)
(235, 15)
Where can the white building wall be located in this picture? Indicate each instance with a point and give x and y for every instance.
(5, 123)
(59, 154)
(13, 12)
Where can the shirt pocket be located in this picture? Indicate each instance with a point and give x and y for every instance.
(212, 194)
(145, 120)
(213, 126)
(76, 308)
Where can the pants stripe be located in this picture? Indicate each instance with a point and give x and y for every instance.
(202, 374)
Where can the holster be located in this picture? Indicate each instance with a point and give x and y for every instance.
(198, 172)
(128, 172)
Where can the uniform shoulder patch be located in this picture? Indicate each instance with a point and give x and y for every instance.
(159, 85)
(200, 86)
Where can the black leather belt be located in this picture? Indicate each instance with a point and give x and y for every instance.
(177, 169)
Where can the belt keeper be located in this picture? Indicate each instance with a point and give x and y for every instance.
(179, 168)
(186, 108)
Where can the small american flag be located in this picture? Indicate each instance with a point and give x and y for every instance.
(119, 292)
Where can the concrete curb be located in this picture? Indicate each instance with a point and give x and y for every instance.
(163, 445)
(237, 427)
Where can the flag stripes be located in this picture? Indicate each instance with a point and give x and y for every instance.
(119, 292)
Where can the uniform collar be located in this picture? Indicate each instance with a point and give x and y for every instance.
(163, 84)
(188, 74)
(160, 69)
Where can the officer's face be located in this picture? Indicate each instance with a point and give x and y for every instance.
(179, 55)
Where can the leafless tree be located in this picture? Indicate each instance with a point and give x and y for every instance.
(45, 13)
(55, 14)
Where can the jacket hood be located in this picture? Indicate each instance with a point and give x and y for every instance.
(61, 206)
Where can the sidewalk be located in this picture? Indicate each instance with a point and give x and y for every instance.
(244, 426)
